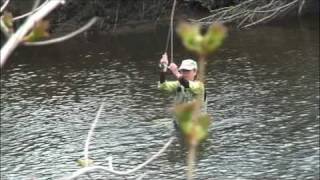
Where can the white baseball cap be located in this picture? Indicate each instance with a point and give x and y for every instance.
(188, 64)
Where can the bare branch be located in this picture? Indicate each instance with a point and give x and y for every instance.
(5, 4)
(94, 168)
(64, 38)
(250, 12)
(90, 133)
(17, 37)
(247, 16)
(110, 168)
(271, 15)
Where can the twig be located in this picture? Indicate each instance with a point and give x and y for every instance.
(271, 15)
(230, 18)
(275, 9)
(93, 168)
(4, 5)
(36, 4)
(218, 10)
(90, 133)
(267, 5)
(222, 10)
(260, 20)
(251, 12)
(64, 38)
(224, 13)
(191, 161)
(244, 19)
(17, 38)
(29, 13)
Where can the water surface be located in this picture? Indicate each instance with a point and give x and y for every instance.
(263, 92)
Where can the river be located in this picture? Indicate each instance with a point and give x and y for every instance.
(263, 96)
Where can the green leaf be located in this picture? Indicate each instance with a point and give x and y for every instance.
(204, 121)
(7, 19)
(38, 32)
(192, 124)
(85, 162)
(184, 113)
(190, 35)
(6, 23)
(193, 40)
(200, 133)
(214, 37)
(202, 127)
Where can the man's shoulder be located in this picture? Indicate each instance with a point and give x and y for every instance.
(197, 82)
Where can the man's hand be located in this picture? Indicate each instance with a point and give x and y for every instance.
(164, 63)
(174, 69)
(164, 59)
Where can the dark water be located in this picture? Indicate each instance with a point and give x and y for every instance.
(263, 92)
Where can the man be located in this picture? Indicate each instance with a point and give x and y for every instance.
(186, 87)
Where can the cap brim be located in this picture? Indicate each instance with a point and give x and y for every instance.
(187, 68)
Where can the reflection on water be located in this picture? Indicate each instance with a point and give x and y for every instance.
(262, 91)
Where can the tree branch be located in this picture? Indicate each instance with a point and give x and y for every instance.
(90, 133)
(30, 12)
(94, 168)
(64, 38)
(275, 11)
(251, 12)
(17, 37)
(3, 7)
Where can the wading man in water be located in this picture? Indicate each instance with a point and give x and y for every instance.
(186, 87)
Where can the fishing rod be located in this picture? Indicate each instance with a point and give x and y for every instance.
(170, 37)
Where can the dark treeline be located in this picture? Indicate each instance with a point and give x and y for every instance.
(115, 13)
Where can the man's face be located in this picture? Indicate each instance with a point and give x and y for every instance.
(188, 74)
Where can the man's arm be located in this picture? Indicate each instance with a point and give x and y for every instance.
(174, 69)
(162, 77)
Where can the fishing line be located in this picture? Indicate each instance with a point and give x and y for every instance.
(170, 31)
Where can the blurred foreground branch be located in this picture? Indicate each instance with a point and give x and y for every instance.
(30, 12)
(5, 4)
(17, 37)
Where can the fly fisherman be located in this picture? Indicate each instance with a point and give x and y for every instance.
(186, 87)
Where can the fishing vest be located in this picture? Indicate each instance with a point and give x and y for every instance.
(184, 95)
